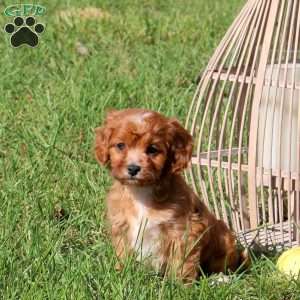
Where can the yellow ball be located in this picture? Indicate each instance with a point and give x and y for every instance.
(289, 262)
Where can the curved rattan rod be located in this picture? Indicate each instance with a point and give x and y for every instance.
(253, 35)
(263, 116)
(229, 101)
(252, 74)
(243, 40)
(271, 208)
(290, 121)
(209, 99)
(216, 113)
(285, 30)
(204, 82)
(297, 34)
(253, 208)
(297, 200)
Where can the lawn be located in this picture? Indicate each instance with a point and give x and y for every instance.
(135, 54)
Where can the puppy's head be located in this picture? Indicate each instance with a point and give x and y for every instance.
(139, 146)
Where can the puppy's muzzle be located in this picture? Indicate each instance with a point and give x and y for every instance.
(133, 169)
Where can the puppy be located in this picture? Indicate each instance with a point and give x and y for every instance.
(153, 214)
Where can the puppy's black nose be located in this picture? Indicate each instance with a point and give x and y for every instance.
(133, 169)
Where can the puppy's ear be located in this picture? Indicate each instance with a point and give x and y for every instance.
(110, 113)
(102, 144)
(103, 135)
(181, 146)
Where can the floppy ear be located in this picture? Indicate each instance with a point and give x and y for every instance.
(102, 144)
(103, 135)
(181, 146)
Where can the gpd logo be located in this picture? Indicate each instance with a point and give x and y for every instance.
(24, 30)
(18, 10)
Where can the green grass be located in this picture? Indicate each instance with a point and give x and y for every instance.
(146, 54)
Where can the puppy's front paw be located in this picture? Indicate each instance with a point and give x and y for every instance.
(221, 279)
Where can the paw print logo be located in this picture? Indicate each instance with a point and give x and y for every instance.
(24, 33)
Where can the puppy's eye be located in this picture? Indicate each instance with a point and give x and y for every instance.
(120, 146)
(151, 150)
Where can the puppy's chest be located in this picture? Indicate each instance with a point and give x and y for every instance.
(144, 230)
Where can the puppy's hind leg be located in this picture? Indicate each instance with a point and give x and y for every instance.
(185, 254)
(184, 266)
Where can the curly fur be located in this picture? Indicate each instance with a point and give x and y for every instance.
(155, 215)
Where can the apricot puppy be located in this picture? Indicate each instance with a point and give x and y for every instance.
(153, 214)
